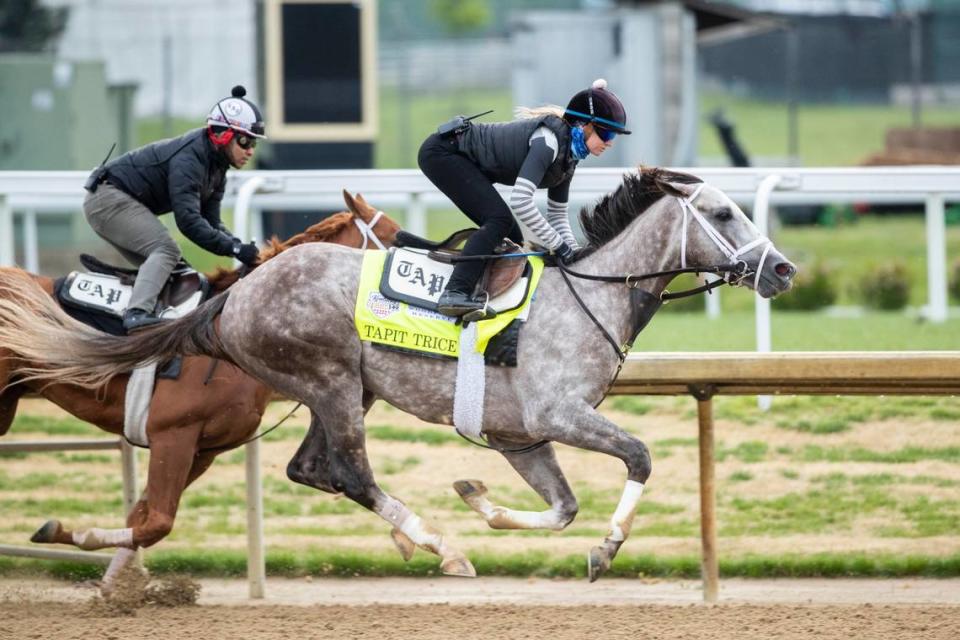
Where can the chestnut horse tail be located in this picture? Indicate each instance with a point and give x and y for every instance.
(55, 348)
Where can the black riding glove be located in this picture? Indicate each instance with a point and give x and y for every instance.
(246, 253)
(565, 253)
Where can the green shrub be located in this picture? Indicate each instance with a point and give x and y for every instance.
(813, 288)
(886, 287)
(955, 281)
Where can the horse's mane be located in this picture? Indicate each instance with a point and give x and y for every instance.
(637, 193)
(320, 232)
(323, 231)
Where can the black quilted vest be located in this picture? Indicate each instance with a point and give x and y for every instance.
(499, 149)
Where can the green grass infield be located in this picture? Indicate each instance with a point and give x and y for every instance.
(226, 564)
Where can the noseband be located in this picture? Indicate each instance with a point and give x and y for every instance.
(734, 278)
(366, 230)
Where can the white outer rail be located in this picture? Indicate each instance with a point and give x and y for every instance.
(33, 193)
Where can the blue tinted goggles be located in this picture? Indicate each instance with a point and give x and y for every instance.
(605, 134)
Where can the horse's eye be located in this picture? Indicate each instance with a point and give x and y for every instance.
(724, 214)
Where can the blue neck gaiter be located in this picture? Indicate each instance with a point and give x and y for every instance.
(578, 146)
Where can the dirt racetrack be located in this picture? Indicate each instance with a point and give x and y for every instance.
(502, 608)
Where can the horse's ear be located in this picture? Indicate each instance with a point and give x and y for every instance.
(677, 189)
(350, 202)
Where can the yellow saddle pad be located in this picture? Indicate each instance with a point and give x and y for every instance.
(391, 322)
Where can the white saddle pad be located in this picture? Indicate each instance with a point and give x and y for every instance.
(411, 276)
(100, 291)
(107, 293)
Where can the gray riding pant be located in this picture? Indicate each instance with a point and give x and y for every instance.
(138, 235)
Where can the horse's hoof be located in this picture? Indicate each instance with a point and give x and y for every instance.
(48, 532)
(404, 544)
(458, 566)
(469, 488)
(597, 563)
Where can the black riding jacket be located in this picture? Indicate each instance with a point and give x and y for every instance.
(186, 175)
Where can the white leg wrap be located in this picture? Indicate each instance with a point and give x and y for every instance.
(119, 561)
(533, 519)
(482, 505)
(394, 512)
(504, 518)
(95, 538)
(415, 530)
(410, 524)
(623, 516)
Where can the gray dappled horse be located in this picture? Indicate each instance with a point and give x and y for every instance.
(290, 324)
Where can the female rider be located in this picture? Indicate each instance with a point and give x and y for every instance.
(539, 150)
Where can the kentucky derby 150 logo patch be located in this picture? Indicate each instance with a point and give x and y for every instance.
(380, 306)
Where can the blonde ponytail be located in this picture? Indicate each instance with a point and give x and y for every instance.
(546, 110)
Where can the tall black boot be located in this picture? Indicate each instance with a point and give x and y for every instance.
(136, 319)
(457, 303)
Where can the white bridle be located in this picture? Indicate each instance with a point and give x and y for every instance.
(734, 255)
(366, 230)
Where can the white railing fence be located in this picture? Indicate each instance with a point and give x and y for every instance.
(29, 194)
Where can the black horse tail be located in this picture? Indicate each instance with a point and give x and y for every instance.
(55, 348)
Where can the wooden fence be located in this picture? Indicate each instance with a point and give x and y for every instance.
(701, 375)
(704, 375)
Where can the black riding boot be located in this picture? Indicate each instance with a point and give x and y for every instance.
(457, 299)
(136, 319)
(458, 303)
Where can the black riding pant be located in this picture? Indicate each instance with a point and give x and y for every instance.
(473, 193)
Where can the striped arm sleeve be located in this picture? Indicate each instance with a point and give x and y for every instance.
(534, 167)
(526, 211)
(558, 219)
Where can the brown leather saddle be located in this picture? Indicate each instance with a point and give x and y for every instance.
(498, 274)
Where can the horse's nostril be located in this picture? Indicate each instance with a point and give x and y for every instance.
(785, 270)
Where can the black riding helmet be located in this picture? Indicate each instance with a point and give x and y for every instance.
(598, 106)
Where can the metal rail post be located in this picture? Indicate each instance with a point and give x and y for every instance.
(936, 258)
(256, 559)
(761, 213)
(7, 258)
(416, 222)
(128, 459)
(31, 257)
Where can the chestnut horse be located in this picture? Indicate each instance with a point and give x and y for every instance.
(212, 407)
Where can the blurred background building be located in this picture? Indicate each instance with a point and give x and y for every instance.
(706, 82)
(661, 56)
